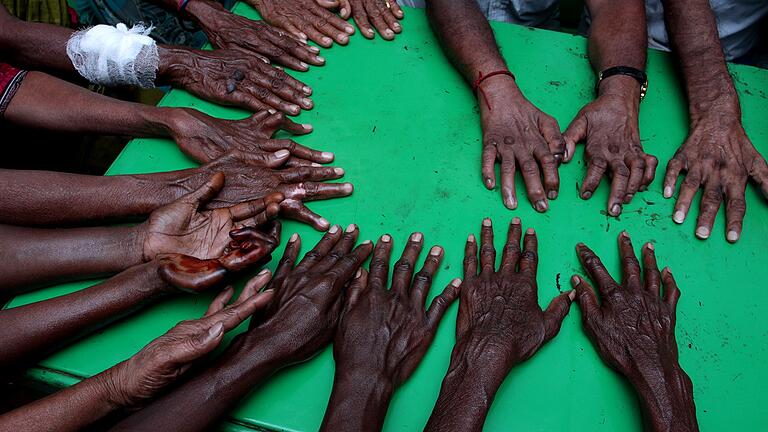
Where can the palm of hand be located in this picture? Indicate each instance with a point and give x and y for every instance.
(181, 228)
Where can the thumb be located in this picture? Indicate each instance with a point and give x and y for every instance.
(555, 314)
(277, 159)
(201, 344)
(328, 4)
(207, 191)
(577, 131)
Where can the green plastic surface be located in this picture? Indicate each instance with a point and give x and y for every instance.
(405, 127)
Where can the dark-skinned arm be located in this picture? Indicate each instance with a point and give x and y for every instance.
(717, 156)
(609, 124)
(515, 132)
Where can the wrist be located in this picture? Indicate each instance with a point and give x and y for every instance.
(198, 10)
(621, 87)
(171, 59)
(666, 397)
(107, 388)
(359, 400)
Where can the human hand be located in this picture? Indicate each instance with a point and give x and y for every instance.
(247, 178)
(230, 77)
(162, 361)
(305, 310)
(500, 323)
(227, 30)
(718, 157)
(609, 127)
(304, 19)
(386, 332)
(384, 14)
(633, 330)
(182, 228)
(516, 132)
(205, 138)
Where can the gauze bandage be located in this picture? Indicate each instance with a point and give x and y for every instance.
(117, 55)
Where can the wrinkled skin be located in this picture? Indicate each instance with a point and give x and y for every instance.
(160, 363)
(719, 158)
(304, 19)
(516, 133)
(609, 127)
(246, 177)
(633, 330)
(227, 30)
(182, 228)
(227, 77)
(499, 312)
(307, 301)
(248, 246)
(387, 331)
(205, 138)
(382, 14)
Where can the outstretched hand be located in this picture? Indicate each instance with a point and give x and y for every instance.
(304, 19)
(383, 15)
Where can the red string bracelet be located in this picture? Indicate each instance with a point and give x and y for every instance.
(481, 78)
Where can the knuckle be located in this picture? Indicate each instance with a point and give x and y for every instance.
(529, 167)
(529, 255)
(599, 162)
(378, 263)
(403, 266)
(621, 171)
(422, 277)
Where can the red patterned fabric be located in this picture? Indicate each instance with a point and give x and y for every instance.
(10, 80)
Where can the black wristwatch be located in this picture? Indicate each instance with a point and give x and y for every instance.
(637, 74)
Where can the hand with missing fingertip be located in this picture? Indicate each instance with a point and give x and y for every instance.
(633, 330)
(305, 19)
(518, 134)
(383, 334)
(231, 77)
(383, 15)
(719, 158)
(609, 128)
(205, 138)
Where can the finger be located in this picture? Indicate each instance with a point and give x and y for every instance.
(342, 248)
(487, 250)
(735, 208)
(630, 266)
(269, 214)
(585, 295)
(345, 9)
(488, 161)
(207, 191)
(470, 257)
(530, 170)
(422, 281)
(190, 274)
(294, 162)
(270, 99)
(652, 275)
(254, 285)
(317, 35)
(549, 170)
(688, 190)
(595, 269)
(441, 303)
(286, 263)
(295, 54)
(674, 167)
(301, 174)
(356, 288)
(374, 16)
(247, 100)
(388, 17)
(311, 191)
(508, 195)
(576, 132)
(550, 131)
(250, 209)
(710, 204)
(277, 120)
(636, 171)
(296, 210)
(529, 259)
(220, 301)
(595, 170)
(759, 173)
(361, 19)
(289, 27)
(336, 22)
(198, 345)
(555, 313)
(396, 10)
(671, 291)
(234, 314)
(650, 171)
(298, 150)
(511, 254)
(346, 267)
(379, 267)
(403, 270)
(620, 174)
(321, 249)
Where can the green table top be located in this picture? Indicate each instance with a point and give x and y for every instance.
(405, 127)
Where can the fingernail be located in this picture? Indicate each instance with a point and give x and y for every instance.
(216, 330)
(343, 11)
(302, 35)
(304, 65)
(624, 234)
(397, 26)
(541, 205)
(615, 210)
(272, 111)
(327, 40)
(456, 282)
(702, 232)
(628, 197)
(552, 194)
(650, 246)
(489, 183)
(571, 295)
(307, 126)
(358, 273)
(315, 164)
(327, 156)
(321, 59)
(516, 220)
(367, 242)
(348, 29)
(338, 171)
(263, 272)
(293, 238)
(282, 153)
(314, 49)
(323, 222)
(510, 202)
(667, 192)
(530, 231)
(678, 217)
(306, 90)
(343, 38)
(436, 251)
(350, 228)
(471, 238)
(586, 194)
(389, 33)
(416, 237)
(575, 280)
(334, 229)
(487, 222)
(306, 103)
(347, 188)
(732, 236)
(386, 238)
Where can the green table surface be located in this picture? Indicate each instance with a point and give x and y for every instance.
(405, 127)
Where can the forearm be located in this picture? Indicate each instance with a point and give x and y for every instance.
(694, 37)
(32, 256)
(200, 402)
(666, 397)
(37, 329)
(45, 102)
(71, 409)
(35, 46)
(617, 36)
(359, 402)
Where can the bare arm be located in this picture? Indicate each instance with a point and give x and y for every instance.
(34, 45)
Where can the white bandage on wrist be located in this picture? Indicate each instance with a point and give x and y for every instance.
(117, 55)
